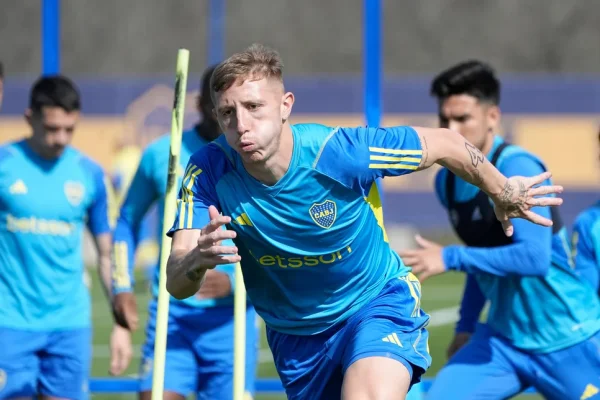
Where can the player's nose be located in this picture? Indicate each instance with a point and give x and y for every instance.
(242, 124)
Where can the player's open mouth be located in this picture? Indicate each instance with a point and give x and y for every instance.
(247, 146)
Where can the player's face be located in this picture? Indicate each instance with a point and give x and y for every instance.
(251, 115)
(474, 120)
(52, 130)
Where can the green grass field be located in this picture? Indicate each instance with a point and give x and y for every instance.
(440, 297)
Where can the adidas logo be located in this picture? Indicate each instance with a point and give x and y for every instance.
(590, 390)
(243, 220)
(392, 338)
(476, 215)
(18, 187)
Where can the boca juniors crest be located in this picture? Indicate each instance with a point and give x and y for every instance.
(323, 213)
(74, 191)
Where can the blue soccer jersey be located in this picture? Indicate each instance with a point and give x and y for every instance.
(537, 301)
(44, 206)
(586, 245)
(313, 246)
(148, 187)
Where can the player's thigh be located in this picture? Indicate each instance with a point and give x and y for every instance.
(391, 326)
(482, 369)
(214, 348)
(307, 365)
(180, 377)
(65, 364)
(377, 378)
(19, 363)
(571, 373)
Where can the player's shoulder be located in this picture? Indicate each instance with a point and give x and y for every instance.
(157, 146)
(312, 138)
(84, 161)
(10, 150)
(215, 159)
(515, 153)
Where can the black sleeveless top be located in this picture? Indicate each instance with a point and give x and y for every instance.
(474, 221)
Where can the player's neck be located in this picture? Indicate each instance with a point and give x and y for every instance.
(274, 168)
(40, 150)
(488, 144)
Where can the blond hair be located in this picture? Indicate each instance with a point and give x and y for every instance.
(256, 62)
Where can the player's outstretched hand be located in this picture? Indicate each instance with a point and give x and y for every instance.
(210, 250)
(520, 194)
(426, 261)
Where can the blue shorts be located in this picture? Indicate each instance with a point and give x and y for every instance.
(488, 367)
(54, 363)
(199, 356)
(392, 325)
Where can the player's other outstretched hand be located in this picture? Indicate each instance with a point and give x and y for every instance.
(211, 252)
(520, 194)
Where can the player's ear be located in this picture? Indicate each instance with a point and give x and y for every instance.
(493, 117)
(28, 116)
(286, 105)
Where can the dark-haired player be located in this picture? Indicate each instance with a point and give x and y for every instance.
(48, 193)
(543, 322)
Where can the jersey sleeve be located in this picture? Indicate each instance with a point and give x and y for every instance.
(586, 246)
(197, 192)
(140, 196)
(100, 218)
(471, 305)
(359, 156)
(531, 250)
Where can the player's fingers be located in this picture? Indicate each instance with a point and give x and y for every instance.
(536, 180)
(545, 202)
(207, 240)
(426, 274)
(410, 260)
(223, 259)
(221, 234)
(537, 219)
(216, 223)
(422, 241)
(544, 190)
(213, 212)
(217, 250)
(507, 226)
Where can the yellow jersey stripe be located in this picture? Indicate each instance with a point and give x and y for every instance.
(190, 200)
(396, 159)
(393, 166)
(396, 151)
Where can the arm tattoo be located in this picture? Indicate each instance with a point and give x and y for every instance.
(193, 275)
(476, 155)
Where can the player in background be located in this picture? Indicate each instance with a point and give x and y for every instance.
(300, 201)
(542, 320)
(200, 341)
(586, 244)
(48, 193)
(125, 163)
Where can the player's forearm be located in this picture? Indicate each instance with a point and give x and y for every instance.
(103, 247)
(451, 150)
(184, 279)
(524, 258)
(124, 250)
